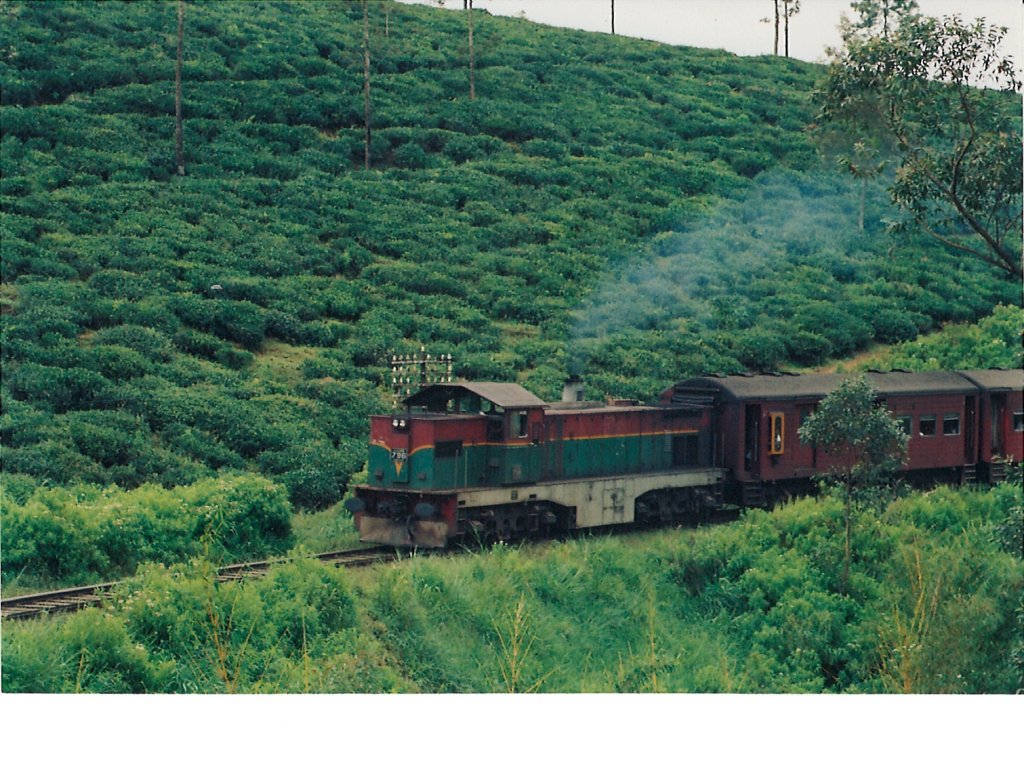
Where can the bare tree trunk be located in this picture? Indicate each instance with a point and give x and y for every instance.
(613, 16)
(785, 14)
(179, 140)
(387, 18)
(863, 199)
(846, 554)
(472, 52)
(775, 46)
(366, 83)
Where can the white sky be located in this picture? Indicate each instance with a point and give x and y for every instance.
(735, 25)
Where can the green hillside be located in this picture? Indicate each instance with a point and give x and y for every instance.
(642, 211)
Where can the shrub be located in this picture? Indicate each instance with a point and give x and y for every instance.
(146, 341)
(316, 475)
(306, 601)
(410, 156)
(74, 535)
(116, 363)
(108, 437)
(89, 652)
(760, 351)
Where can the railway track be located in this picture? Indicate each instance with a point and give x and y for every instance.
(75, 598)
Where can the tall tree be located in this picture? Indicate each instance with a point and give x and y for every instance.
(775, 42)
(775, 21)
(789, 9)
(879, 17)
(866, 444)
(366, 84)
(472, 52)
(863, 164)
(921, 87)
(179, 138)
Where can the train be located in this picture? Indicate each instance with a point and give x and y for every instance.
(467, 461)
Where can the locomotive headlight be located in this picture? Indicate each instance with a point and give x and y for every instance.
(424, 510)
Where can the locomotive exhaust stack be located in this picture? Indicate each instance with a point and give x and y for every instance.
(573, 389)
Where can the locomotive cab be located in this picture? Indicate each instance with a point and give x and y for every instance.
(456, 436)
(447, 438)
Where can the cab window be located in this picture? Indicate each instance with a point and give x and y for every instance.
(521, 423)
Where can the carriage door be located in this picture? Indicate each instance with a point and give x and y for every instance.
(752, 440)
(998, 412)
(970, 426)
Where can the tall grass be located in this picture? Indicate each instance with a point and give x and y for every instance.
(753, 606)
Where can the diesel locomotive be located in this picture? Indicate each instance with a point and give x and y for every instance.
(464, 461)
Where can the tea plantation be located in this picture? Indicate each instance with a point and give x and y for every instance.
(188, 359)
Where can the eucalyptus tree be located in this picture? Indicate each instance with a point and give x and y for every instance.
(783, 11)
(925, 90)
(774, 20)
(789, 9)
(880, 16)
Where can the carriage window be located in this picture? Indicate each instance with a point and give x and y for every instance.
(926, 426)
(951, 425)
(905, 422)
(777, 429)
(521, 430)
(1018, 420)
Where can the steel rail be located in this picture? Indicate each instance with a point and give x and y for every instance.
(75, 598)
